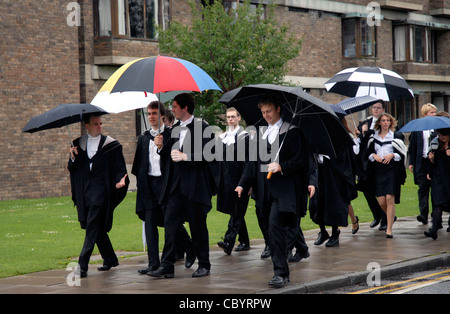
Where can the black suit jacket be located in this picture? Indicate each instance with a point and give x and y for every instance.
(415, 149)
(140, 169)
(194, 176)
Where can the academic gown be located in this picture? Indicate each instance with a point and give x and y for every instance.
(144, 200)
(195, 176)
(291, 185)
(399, 166)
(229, 174)
(336, 189)
(98, 186)
(439, 172)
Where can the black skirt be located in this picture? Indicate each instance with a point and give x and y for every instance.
(385, 179)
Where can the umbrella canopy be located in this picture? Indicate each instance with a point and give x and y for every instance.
(338, 111)
(159, 74)
(426, 123)
(355, 104)
(61, 115)
(374, 81)
(120, 102)
(322, 128)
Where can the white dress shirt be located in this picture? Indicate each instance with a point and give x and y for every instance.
(386, 149)
(426, 142)
(154, 168)
(92, 147)
(184, 130)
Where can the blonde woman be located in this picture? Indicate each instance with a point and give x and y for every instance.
(386, 156)
(418, 158)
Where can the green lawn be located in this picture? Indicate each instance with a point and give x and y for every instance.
(42, 234)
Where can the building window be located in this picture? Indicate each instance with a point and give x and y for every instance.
(130, 18)
(414, 43)
(359, 39)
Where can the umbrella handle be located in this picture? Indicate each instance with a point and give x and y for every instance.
(269, 175)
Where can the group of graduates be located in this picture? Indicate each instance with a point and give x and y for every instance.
(175, 184)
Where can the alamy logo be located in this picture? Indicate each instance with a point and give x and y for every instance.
(374, 16)
(74, 17)
(73, 279)
(374, 277)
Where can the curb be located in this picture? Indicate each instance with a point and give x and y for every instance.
(415, 265)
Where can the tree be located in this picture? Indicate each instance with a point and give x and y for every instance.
(239, 47)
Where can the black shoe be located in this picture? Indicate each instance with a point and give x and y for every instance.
(266, 253)
(321, 238)
(278, 281)
(107, 267)
(334, 240)
(297, 257)
(225, 247)
(431, 234)
(161, 272)
(190, 259)
(83, 273)
(242, 247)
(422, 219)
(357, 228)
(374, 223)
(147, 269)
(389, 236)
(201, 272)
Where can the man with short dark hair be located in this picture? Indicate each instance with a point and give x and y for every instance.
(99, 181)
(187, 187)
(282, 196)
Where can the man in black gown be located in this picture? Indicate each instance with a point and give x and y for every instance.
(99, 182)
(235, 145)
(284, 192)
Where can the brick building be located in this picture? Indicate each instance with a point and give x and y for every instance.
(51, 55)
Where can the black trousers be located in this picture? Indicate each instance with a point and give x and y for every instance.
(237, 225)
(96, 234)
(178, 209)
(280, 224)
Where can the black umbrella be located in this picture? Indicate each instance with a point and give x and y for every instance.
(60, 116)
(323, 129)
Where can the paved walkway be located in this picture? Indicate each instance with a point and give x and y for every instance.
(246, 273)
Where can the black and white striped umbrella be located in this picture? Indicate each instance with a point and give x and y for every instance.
(374, 81)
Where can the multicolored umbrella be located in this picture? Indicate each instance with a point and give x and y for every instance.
(374, 81)
(159, 75)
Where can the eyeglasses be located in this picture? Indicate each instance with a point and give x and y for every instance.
(377, 108)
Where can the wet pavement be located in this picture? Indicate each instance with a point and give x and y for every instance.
(246, 273)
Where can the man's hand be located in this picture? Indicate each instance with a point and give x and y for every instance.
(73, 152)
(274, 167)
(239, 191)
(177, 156)
(158, 141)
(311, 190)
(121, 183)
